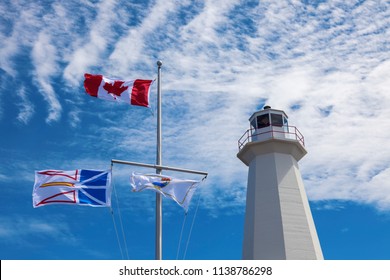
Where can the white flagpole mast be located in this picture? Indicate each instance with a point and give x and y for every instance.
(158, 170)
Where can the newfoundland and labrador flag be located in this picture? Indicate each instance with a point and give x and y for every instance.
(80, 186)
(135, 92)
(179, 190)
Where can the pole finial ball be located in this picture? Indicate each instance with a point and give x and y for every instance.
(159, 62)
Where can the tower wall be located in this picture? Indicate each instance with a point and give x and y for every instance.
(278, 221)
(263, 232)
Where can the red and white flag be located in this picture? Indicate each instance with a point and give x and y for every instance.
(135, 92)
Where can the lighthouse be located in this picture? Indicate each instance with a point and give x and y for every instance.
(278, 221)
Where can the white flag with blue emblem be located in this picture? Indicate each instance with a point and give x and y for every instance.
(179, 190)
(77, 187)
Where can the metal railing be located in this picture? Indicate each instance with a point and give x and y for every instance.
(271, 132)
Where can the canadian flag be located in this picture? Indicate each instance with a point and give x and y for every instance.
(135, 92)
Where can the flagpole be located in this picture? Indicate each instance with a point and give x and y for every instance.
(158, 170)
(161, 167)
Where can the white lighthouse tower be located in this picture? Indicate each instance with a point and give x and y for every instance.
(278, 220)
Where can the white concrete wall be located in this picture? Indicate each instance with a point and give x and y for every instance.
(300, 235)
(278, 220)
(263, 233)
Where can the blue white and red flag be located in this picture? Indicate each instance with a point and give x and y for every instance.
(75, 187)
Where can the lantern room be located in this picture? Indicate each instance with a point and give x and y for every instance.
(271, 126)
(268, 123)
(268, 117)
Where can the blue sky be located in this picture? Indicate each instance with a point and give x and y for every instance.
(325, 63)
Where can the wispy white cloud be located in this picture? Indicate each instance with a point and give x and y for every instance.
(131, 49)
(18, 229)
(91, 51)
(26, 107)
(24, 35)
(3, 178)
(12, 35)
(44, 57)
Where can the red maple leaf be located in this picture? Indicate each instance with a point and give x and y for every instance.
(115, 88)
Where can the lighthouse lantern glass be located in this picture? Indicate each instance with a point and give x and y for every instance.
(277, 119)
(263, 121)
